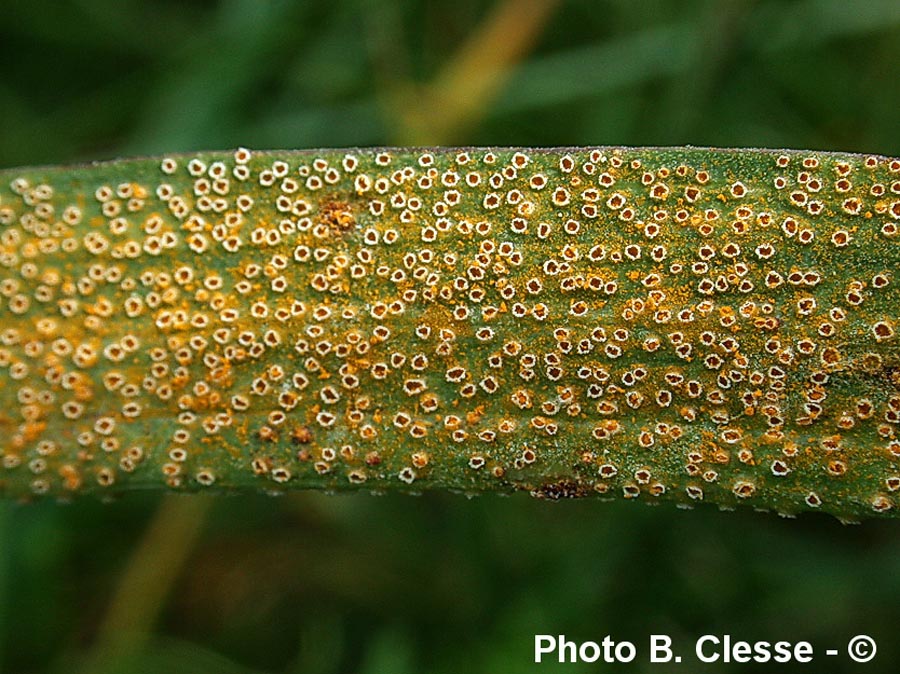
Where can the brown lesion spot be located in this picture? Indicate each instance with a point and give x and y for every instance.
(267, 434)
(564, 489)
(892, 374)
(337, 215)
(879, 371)
(301, 435)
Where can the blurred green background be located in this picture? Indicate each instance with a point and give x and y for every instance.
(395, 584)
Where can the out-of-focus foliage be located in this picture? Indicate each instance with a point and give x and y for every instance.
(318, 584)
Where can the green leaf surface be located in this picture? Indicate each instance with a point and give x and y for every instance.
(683, 324)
